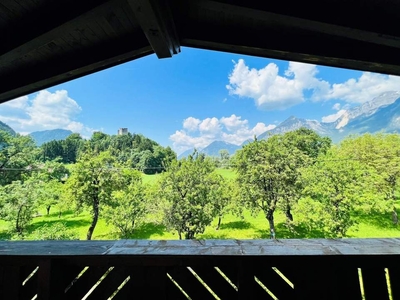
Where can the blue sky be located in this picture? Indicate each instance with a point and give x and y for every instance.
(195, 97)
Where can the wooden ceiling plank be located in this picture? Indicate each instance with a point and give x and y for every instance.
(17, 45)
(299, 23)
(34, 77)
(156, 21)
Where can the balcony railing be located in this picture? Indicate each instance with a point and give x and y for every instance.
(208, 269)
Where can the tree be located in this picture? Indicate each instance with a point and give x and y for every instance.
(190, 189)
(335, 188)
(71, 147)
(268, 176)
(224, 158)
(51, 175)
(382, 153)
(18, 201)
(92, 182)
(17, 153)
(222, 204)
(128, 205)
(311, 146)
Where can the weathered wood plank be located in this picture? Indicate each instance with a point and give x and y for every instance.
(156, 21)
(245, 248)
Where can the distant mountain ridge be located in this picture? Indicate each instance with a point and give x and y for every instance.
(41, 137)
(213, 149)
(6, 128)
(379, 114)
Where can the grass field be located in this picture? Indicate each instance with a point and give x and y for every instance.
(232, 227)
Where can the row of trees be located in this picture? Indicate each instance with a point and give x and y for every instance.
(316, 185)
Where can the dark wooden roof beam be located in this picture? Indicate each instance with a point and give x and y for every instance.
(30, 34)
(32, 78)
(156, 21)
(282, 20)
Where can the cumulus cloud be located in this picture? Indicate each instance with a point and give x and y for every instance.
(191, 124)
(229, 129)
(271, 90)
(299, 82)
(365, 88)
(45, 110)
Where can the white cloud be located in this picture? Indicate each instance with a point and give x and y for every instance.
(191, 124)
(336, 106)
(210, 126)
(272, 91)
(363, 89)
(44, 111)
(333, 117)
(229, 129)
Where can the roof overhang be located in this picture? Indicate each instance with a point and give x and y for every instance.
(45, 43)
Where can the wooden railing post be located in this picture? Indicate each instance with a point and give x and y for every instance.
(50, 280)
(248, 288)
(10, 282)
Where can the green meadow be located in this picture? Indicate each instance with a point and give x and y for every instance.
(232, 227)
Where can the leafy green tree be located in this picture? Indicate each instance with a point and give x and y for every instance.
(17, 155)
(223, 203)
(52, 150)
(268, 176)
(18, 201)
(382, 153)
(51, 175)
(92, 182)
(335, 188)
(190, 189)
(128, 205)
(308, 146)
(72, 145)
(224, 158)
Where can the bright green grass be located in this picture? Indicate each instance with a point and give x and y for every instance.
(232, 227)
(227, 173)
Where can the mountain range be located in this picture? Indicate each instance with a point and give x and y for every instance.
(41, 137)
(6, 128)
(380, 114)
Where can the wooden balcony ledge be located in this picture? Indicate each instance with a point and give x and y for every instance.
(201, 269)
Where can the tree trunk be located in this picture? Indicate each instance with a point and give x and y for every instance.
(270, 217)
(94, 221)
(48, 209)
(219, 223)
(288, 213)
(189, 235)
(17, 226)
(180, 234)
(395, 219)
(59, 214)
